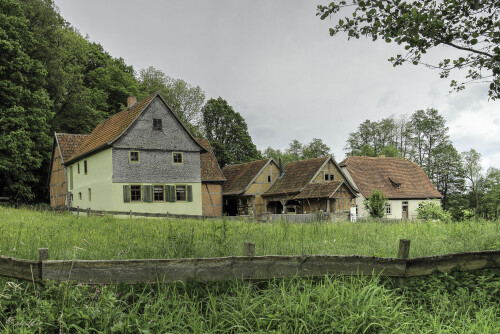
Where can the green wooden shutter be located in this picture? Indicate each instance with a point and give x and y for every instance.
(126, 193)
(189, 190)
(147, 193)
(173, 196)
(170, 193)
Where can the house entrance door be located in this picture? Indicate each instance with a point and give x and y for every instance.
(405, 210)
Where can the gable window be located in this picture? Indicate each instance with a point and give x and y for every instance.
(135, 193)
(388, 209)
(328, 177)
(180, 193)
(134, 157)
(159, 194)
(157, 126)
(85, 167)
(269, 178)
(177, 158)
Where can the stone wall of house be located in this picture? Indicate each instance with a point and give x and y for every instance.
(155, 166)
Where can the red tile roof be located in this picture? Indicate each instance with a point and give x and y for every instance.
(238, 177)
(109, 130)
(68, 143)
(386, 174)
(210, 170)
(296, 175)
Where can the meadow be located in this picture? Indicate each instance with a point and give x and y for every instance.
(459, 302)
(23, 231)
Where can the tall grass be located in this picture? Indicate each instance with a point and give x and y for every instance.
(23, 231)
(454, 303)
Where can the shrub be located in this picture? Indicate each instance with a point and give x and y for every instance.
(376, 203)
(430, 210)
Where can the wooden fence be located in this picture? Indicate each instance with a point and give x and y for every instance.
(240, 267)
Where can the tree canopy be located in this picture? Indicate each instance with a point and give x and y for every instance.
(471, 26)
(298, 151)
(227, 132)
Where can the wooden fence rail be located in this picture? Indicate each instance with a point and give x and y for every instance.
(240, 267)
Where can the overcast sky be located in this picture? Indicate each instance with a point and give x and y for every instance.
(275, 63)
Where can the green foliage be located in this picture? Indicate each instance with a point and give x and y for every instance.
(24, 106)
(297, 151)
(419, 26)
(431, 210)
(437, 303)
(227, 133)
(376, 204)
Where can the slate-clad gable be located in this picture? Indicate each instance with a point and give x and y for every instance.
(172, 137)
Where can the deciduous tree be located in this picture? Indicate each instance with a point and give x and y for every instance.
(471, 27)
(227, 132)
(376, 204)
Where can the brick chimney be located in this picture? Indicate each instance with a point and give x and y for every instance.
(131, 100)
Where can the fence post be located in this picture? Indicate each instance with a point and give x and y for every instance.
(403, 253)
(88, 212)
(249, 249)
(78, 212)
(43, 255)
(130, 213)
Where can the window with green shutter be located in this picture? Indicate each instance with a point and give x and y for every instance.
(189, 193)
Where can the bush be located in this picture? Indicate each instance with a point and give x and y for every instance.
(430, 210)
(376, 203)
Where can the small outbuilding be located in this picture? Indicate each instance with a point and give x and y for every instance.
(245, 184)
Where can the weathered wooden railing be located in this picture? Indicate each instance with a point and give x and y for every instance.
(240, 267)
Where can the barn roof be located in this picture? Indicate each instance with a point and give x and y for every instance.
(210, 170)
(239, 177)
(108, 131)
(397, 178)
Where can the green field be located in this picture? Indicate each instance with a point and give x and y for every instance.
(23, 231)
(461, 302)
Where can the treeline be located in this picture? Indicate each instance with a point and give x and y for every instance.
(424, 139)
(298, 151)
(54, 79)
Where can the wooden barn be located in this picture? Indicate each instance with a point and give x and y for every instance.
(211, 182)
(64, 146)
(245, 184)
(309, 186)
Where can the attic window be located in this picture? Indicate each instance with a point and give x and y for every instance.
(134, 157)
(269, 178)
(329, 177)
(157, 124)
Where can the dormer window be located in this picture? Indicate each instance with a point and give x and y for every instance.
(157, 126)
(395, 183)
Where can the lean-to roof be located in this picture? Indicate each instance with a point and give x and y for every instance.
(210, 170)
(68, 143)
(319, 190)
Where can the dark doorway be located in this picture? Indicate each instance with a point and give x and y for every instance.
(231, 207)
